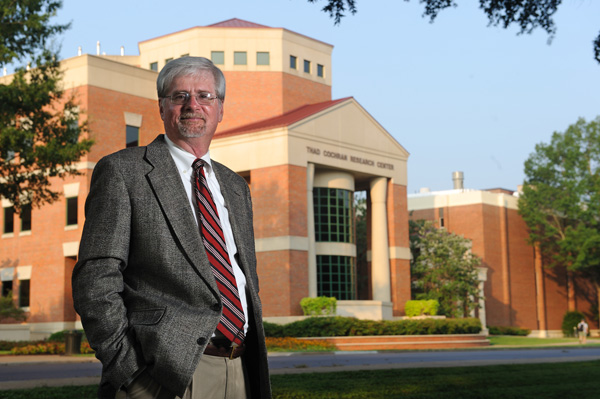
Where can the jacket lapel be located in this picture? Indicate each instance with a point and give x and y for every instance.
(170, 193)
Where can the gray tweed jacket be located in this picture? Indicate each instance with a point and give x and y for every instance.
(143, 285)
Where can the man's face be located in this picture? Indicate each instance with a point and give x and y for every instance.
(191, 120)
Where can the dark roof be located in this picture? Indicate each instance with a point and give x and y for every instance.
(236, 23)
(286, 119)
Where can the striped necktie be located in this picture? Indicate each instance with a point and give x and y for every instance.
(232, 319)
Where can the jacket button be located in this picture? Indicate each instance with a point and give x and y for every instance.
(216, 307)
(201, 341)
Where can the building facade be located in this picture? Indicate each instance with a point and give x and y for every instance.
(519, 290)
(303, 154)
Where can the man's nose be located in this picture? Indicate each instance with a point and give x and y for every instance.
(192, 102)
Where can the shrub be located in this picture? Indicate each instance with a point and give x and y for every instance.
(40, 348)
(502, 330)
(59, 336)
(294, 344)
(570, 320)
(272, 329)
(319, 306)
(348, 326)
(8, 309)
(422, 307)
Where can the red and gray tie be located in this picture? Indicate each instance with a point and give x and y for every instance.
(232, 319)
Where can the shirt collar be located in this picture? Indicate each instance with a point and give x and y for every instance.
(184, 159)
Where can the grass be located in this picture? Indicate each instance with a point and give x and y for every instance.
(527, 341)
(548, 381)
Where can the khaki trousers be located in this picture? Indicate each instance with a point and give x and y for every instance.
(214, 378)
(218, 378)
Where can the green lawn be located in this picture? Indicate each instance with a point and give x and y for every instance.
(527, 341)
(547, 381)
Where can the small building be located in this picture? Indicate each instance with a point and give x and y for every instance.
(519, 290)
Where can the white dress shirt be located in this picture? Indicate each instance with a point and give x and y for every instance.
(183, 161)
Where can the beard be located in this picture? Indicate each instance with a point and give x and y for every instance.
(191, 130)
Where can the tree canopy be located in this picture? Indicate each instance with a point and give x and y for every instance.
(560, 202)
(443, 268)
(39, 127)
(528, 15)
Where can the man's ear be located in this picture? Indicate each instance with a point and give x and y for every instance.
(220, 110)
(161, 110)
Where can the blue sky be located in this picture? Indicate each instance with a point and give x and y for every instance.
(457, 94)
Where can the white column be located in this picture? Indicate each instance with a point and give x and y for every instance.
(482, 277)
(310, 213)
(380, 254)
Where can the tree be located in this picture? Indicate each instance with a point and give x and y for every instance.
(528, 15)
(560, 202)
(443, 268)
(39, 129)
(8, 309)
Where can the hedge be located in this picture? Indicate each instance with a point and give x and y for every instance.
(349, 326)
(503, 330)
(422, 307)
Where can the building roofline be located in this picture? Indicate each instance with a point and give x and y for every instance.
(251, 25)
(284, 120)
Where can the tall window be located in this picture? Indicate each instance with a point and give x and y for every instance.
(336, 276)
(293, 62)
(334, 221)
(26, 218)
(6, 277)
(306, 66)
(9, 220)
(24, 293)
(132, 136)
(240, 58)
(217, 57)
(262, 58)
(320, 70)
(71, 211)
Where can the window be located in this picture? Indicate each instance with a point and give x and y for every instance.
(262, 58)
(132, 136)
(293, 62)
(6, 287)
(6, 276)
(441, 215)
(185, 55)
(333, 215)
(217, 57)
(71, 211)
(336, 276)
(154, 66)
(167, 60)
(24, 293)
(26, 218)
(240, 58)
(9, 220)
(306, 66)
(320, 70)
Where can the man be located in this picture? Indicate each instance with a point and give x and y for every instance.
(582, 331)
(166, 281)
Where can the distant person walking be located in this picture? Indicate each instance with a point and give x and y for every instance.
(582, 331)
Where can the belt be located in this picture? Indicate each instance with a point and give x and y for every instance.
(232, 352)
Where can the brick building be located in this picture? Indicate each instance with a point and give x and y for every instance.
(519, 291)
(303, 154)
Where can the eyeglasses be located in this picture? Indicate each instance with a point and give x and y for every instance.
(202, 98)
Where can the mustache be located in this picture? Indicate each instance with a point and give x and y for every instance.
(188, 115)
